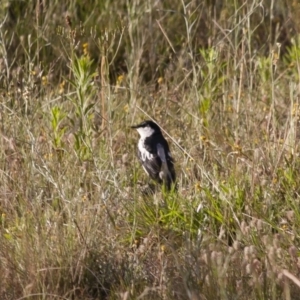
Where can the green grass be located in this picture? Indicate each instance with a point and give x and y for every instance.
(222, 81)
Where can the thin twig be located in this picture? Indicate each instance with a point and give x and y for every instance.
(164, 33)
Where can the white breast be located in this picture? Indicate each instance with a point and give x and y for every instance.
(144, 153)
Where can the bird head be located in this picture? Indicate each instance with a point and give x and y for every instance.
(147, 128)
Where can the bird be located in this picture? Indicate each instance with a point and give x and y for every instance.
(154, 154)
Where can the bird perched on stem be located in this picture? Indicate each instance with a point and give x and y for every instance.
(154, 154)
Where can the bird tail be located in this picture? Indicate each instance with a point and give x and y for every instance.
(167, 177)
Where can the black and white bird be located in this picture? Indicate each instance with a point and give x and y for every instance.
(154, 154)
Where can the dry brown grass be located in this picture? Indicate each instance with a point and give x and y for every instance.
(221, 78)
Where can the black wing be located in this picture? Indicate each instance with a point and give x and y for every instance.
(161, 166)
(152, 165)
(167, 173)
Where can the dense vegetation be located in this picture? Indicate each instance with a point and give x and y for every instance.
(222, 78)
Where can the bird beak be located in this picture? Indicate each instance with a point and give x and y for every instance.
(134, 126)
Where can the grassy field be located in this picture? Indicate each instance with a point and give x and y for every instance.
(222, 79)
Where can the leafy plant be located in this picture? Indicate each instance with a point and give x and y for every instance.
(83, 103)
(57, 117)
